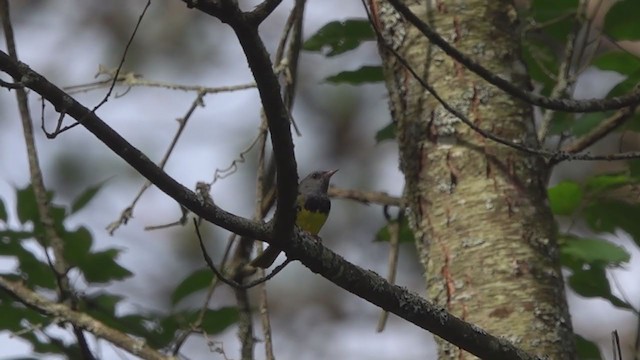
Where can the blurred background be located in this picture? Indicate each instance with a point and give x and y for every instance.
(67, 41)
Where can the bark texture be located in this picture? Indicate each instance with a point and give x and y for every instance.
(478, 209)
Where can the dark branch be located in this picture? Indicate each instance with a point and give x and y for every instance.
(261, 11)
(278, 123)
(304, 248)
(134, 157)
(398, 300)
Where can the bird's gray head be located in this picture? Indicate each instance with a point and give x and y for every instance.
(316, 182)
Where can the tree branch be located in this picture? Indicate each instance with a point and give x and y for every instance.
(376, 197)
(304, 248)
(261, 11)
(593, 105)
(605, 127)
(66, 104)
(277, 119)
(77, 319)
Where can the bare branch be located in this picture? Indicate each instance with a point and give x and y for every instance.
(302, 247)
(124, 56)
(553, 156)
(567, 105)
(261, 11)
(375, 197)
(603, 129)
(277, 119)
(134, 157)
(565, 78)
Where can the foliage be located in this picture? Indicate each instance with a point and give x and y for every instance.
(96, 268)
(591, 200)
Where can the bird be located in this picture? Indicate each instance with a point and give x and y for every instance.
(312, 210)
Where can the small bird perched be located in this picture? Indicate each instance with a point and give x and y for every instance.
(312, 210)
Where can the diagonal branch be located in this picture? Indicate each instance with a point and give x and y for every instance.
(567, 105)
(78, 319)
(605, 127)
(261, 11)
(66, 104)
(307, 250)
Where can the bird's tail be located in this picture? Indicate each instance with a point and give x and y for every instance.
(267, 258)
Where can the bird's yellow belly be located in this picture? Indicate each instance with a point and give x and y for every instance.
(311, 221)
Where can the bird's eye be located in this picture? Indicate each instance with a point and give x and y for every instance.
(315, 176)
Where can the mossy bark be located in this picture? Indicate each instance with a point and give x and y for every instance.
(478, 209)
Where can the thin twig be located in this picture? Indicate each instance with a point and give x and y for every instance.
(135, 80)
(182, 123)
(234, 284)
(553, 156)
(9, 85)
(564, 79)
(601, 130)
(259, 214)
(366, 197)
(124, 57)
(393, 225)
(262, 11)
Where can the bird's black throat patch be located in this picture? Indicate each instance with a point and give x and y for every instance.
(317, 203)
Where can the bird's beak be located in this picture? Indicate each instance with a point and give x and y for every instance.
(330, 173)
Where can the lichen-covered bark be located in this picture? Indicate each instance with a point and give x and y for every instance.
(483, 229)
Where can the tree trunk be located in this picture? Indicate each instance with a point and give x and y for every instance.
(485, 235)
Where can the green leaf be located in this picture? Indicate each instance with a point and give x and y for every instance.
(167, 327)
(561, 122)
(541, 63)
(101, 267)
(587, 349)
(609, 215)
(3, 212)
(634, 168)
(593, 282)
(587, 122)
(216, 321)
(633, 124)
(85, 197)
(565, 197)
(619, 61)
(11, 241)
(621, 21)
(14, 315)
(34, 271)
(366, 74)
(102, 306)
(77, 245)
(592, 251)
(558, 16)
(405, 236)
(599, 183)
(27, 208)
(338, 37)
(196, 281)
(626, 86)
(386, 133)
